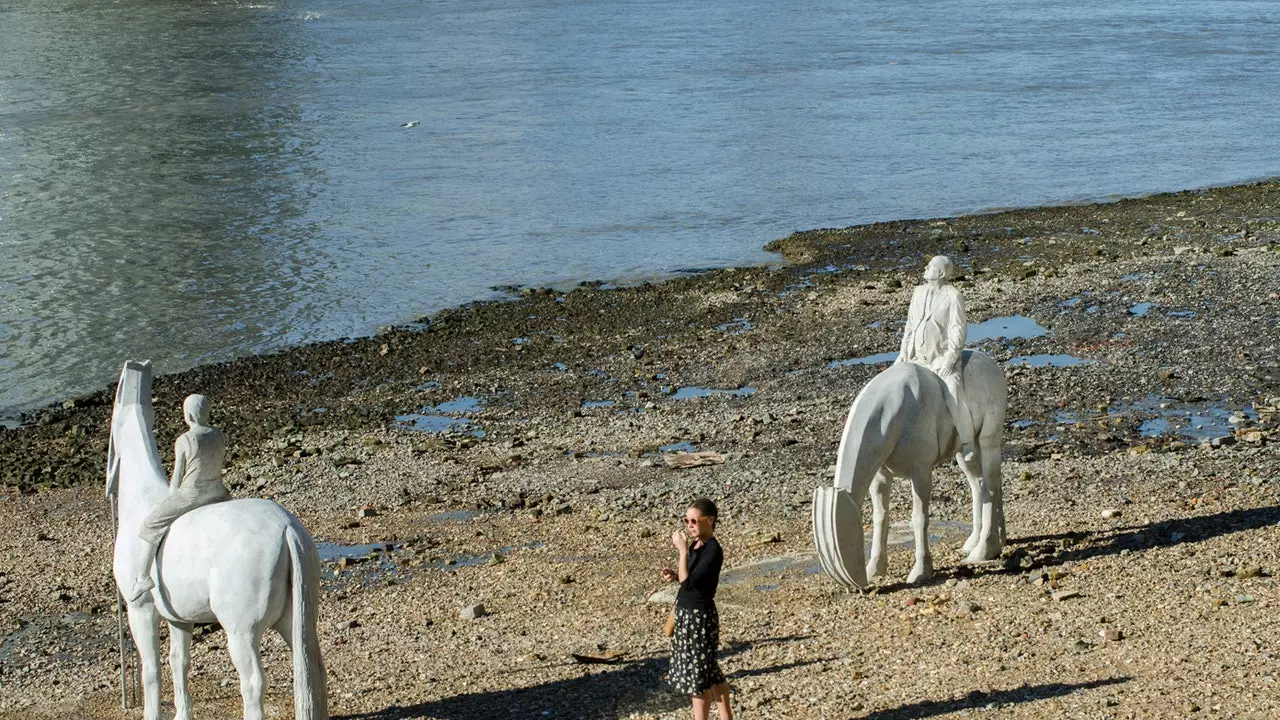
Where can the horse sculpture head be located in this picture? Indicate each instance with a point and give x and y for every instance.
(133, 396)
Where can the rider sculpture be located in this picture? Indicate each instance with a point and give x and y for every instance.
(934, 337)
(196, 482)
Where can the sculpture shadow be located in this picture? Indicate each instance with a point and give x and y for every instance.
(606, 692)
(1033, 552)
(978, 699)
(1084, 545)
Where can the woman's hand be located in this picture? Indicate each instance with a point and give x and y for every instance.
(668, 575)
(680, 540)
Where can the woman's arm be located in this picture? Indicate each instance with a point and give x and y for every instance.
(681, 542)
(708, 564)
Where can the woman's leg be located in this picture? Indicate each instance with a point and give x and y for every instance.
(720, 692)
(702, 705)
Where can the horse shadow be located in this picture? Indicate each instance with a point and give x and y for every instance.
(1034, 552)
(1049, 550)
(614, 691)
(978, 699)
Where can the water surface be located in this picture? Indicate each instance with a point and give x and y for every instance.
(192, 181)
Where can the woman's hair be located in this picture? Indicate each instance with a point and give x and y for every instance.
(707, 508)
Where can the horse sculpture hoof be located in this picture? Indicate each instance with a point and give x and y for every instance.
(920, 573)
(980, 554)
(877, 569)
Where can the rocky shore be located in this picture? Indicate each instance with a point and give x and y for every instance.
(523, 455)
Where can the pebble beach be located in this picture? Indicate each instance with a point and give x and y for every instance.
(532, 455)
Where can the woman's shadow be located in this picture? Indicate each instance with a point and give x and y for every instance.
(616, 690)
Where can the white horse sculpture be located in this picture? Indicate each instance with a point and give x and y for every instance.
(899, 426)
(247, 564)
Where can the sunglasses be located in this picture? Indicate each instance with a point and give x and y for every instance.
(694, 521)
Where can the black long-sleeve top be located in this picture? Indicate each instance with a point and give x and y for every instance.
(698, 591)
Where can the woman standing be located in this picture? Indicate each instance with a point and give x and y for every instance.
(694, 668)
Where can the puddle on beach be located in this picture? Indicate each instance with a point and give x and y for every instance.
(736, 326)
(429, 419)
(1159, 416)
(689, 393)
(1140, 309)
(878, 358)
(1043, 361)
(682, 446)
(588, 404)
(1009, 327)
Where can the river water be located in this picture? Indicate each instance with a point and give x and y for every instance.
(191, 180)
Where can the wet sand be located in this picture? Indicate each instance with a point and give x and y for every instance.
(1138, 339)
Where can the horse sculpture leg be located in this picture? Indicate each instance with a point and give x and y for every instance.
(244, 646)
(179, 664)
(988, 504)
(921, 489)
(972, 470)
(878, 562)
(144, 623)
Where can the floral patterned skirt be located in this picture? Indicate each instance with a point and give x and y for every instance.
(694, 668)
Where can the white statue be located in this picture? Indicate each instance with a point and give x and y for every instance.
(934, 337)
(248, 565)
(900, 425)
(197, 481)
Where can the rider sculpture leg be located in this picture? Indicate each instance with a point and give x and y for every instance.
(959, 410)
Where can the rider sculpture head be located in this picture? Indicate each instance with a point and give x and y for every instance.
(195, 410)
(940, 269)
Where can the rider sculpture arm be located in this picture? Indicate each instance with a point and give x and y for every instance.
(957, 326)
(180, 450)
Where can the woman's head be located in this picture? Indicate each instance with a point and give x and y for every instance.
(700, 518)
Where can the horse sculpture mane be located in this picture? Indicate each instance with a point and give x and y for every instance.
(248, 565)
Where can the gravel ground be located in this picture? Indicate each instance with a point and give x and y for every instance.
(535, 483)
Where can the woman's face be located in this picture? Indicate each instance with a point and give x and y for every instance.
(698, 525)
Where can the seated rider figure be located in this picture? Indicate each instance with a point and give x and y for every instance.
(934, 337)
(196, 482)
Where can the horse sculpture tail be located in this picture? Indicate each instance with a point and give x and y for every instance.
(310, 691)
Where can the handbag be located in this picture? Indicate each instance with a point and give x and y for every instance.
(669, 627)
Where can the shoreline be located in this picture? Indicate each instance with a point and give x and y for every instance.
(971, 239)
(20, 416)
(551, 416)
